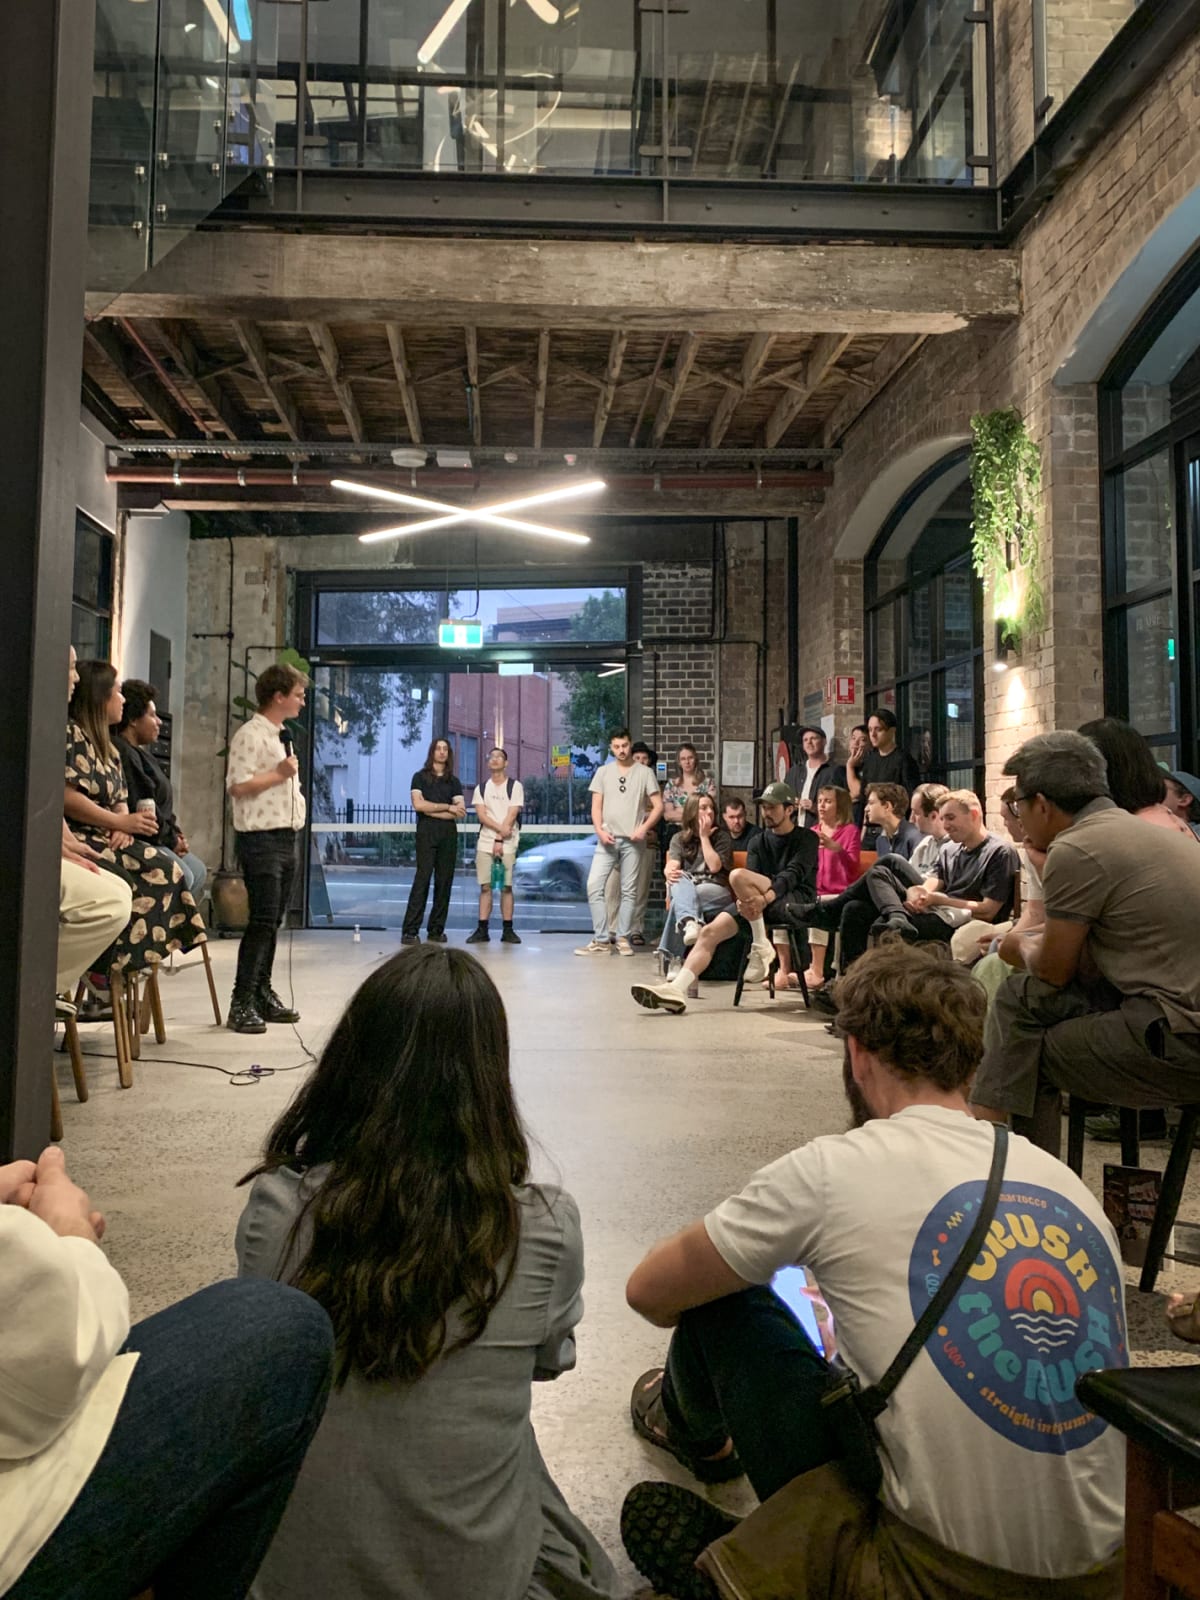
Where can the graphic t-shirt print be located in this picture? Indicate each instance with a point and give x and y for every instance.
(1041, 1304)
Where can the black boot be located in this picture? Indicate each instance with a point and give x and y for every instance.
(244, 1017)
(272, 1009)
(509, 936)
(480, 936)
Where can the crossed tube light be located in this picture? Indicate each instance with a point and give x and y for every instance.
(492, 515)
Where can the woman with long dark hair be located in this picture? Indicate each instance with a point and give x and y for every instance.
(437, 798)
(697, 875)
(395, 1190)
(1135, 780)
(96, 804)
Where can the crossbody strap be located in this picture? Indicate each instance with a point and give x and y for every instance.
(873, 1400)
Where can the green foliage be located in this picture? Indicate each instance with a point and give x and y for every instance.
(601, 617)
(1006, 482)
(593, 708)
(556, 800)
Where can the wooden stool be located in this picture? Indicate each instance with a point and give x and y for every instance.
(218, 1016)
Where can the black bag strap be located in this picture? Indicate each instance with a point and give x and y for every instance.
(873, 1400)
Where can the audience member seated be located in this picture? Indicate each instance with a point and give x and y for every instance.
(1108, 1003)
(814, 773)
(996, 950)
(775, 889)
(837, 867)
(164, 914)
(1136, 782)
(742, 833)
(395, 1190)
(883, 761)
(926, 818)
(94, 908)
(996, 1479)
(1183, 798)
(159, 1456)
(887, 814)
(697, 873)
(137, 733)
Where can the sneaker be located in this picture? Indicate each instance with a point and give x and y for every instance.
(1106, 1127)
(821, 1000)
(759, 964)
(510, 935)
(64, 1009)
(659, 997)
(624, 948)
(897, 924)
(480, 936)
(690, 932)
(594, 947)
(410, 938)
(664, 1529)
(244, 1017)
(272, 1009)
(436, 938)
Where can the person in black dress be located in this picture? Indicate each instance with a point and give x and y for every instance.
(437, 798)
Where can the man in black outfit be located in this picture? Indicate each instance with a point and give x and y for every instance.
(775, 889)
(883, 761)
(814, 773)
(740, 830)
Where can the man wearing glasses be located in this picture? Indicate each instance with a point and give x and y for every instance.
(1108, 1003)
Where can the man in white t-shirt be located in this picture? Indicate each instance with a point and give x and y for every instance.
(626, 806)
(498, 805)
(991, 1465)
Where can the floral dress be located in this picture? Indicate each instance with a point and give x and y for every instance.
(164, 917)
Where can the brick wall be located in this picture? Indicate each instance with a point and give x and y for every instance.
(678, 695)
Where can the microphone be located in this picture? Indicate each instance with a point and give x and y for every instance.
(285, 738)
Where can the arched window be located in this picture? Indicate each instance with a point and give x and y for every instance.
(924, 626)
(1150, 454)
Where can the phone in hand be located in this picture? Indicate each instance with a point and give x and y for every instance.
(791, 1286)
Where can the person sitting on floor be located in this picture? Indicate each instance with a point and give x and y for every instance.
(697, 872)
(1183, 798)
(1108, 1002)
(997, 1480)
(887, 813)
(926, 818)
(776, 888)
(814, 773)
(160, 1456)
(395, 1190)
(1136, 782)
(741, 832)
(136, 734)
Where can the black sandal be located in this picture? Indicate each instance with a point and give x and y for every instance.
(650, 1424)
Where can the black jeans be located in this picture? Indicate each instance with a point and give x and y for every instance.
(268, 861)
(743, 1368)
(878, 893)
(437, 856)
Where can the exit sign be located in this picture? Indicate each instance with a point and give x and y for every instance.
(460, 635)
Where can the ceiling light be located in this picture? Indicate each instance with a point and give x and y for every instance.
(441, 31)
(454, 460)
(611, 673)
(493, 515)
(406, 456)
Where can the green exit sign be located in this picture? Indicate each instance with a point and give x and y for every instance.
(460, 635)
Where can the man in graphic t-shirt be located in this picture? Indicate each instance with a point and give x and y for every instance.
(498, 805)
(626, 806)
(992, 1466)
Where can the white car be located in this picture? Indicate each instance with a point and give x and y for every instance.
(554, 870)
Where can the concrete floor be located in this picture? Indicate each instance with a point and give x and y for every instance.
(647, 1119)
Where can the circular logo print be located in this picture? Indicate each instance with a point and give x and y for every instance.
(1040, 1304)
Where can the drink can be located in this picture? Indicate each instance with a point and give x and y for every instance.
(148, 807)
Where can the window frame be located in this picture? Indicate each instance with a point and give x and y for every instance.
(96, 608)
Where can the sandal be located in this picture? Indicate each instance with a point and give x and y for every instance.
(1183, 1317)
(650, 1424)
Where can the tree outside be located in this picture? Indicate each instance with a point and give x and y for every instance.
(595, 705)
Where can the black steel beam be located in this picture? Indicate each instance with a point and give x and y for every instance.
(45, 115)
(499, 203)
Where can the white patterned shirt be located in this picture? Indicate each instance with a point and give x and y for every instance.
(257, 747)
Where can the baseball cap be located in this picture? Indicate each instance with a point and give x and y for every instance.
(777, 794)
(1186, 781)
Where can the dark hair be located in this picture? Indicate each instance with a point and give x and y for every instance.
(278, 678)
(498, 750)
(618, 733)
(734, 803)
(1065, 768)
(891, 794)
(689, 827)
(886, 717)
(1135, 779)
(89, 703)
(845, 806)
(440, 738)
(859, 727)
(411, 1111)
(921, 1014)
(641, 748)
(139, 697)
(699, 773)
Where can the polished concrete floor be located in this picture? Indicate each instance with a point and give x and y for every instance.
(647, 1119)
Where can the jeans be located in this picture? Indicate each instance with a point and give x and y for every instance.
(742, 1368)
(625, 856)
(698, 901)
(437, 857)
(878, 893)
(269, 866)
(195, 873)
(204, 1453)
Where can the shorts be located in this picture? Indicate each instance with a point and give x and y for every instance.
(483, 864)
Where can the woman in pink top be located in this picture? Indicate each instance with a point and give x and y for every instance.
(838, 838)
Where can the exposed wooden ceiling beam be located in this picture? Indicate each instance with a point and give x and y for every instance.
(187, 363)
(474, 409)
(753, 361)
(685, 359)
(823, 356)
(849, 287)
(539, 399)
(612, 371)
(649, 390)
(151, 394)
(408, 394)
(894, 355)
(251, 341)
(331, 360)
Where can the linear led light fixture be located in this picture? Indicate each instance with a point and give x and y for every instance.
(492, 515)
(450, 18)
(611, 673)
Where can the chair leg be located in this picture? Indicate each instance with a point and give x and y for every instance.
(120, 1012)
(133, 1013)
(741, 975)
(1077, 1111)
(1131, 1150)
(71, 1036)
(212, 987)
(56, 1123)
(154, 1002)
(1174, 1179)
(800, 964)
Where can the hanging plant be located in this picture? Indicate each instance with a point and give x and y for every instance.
(1006, 482)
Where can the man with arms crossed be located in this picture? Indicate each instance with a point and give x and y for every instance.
(626, 805)
(497, 806)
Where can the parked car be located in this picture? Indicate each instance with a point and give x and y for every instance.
(555, 870)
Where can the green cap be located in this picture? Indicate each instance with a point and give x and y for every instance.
(777, 794)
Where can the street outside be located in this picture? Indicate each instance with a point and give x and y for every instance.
(375, 897)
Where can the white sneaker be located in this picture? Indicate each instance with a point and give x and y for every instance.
(659, 997)
(594, 947)
(690, 932)
(624, 948)
(759, 964)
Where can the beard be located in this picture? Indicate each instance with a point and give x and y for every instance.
(860, 1111)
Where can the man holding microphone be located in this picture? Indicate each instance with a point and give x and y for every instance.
(263, 783)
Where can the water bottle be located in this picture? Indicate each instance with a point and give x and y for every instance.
(357, 934)
(497, 872)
